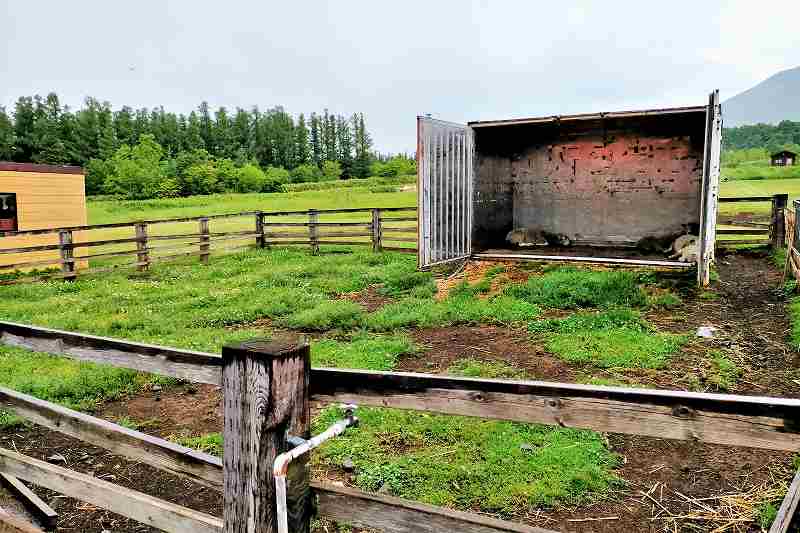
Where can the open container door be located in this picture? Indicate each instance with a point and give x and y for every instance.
(710, 190)
(445, 153)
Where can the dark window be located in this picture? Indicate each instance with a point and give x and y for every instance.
(8, 212)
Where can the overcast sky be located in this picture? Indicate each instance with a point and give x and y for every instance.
(458, 60)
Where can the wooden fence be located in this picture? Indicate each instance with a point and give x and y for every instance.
(267, 387)
(772, 230)
(151, 241)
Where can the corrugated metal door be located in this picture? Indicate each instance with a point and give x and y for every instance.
(710, 192)
(445, 153)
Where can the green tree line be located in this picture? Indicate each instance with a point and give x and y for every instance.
(144, 153)
(767, 136)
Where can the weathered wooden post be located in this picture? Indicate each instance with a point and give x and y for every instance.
(376, 230)
(313, 230)
(204, 240)
(259, 229)
(67, 255)
(142, 254)
(265, 397)
(779, 203)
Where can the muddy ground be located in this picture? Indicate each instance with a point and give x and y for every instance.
(663, 477)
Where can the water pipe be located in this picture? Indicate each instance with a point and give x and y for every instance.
(281, 465)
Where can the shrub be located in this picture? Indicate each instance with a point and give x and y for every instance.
(305, 173)
(331, 170)
(277, 174)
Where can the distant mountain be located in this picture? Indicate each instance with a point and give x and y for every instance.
(774, 99)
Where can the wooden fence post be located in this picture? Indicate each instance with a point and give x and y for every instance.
(142, 254)
(67, 254)
(313, 230)
(260, 229)
(204, 240)
(779, 203)
(376, 230)
(266, 400)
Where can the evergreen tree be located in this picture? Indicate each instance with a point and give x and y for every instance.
(7, 136)
(363, 147)
(242, 134)
(206, 127)
(23, 129)
(193, 138)
(123, 126)
(223, 135)
(49, 147)
(344, 146)
(141, 124)
(301, 148)
(329, 136)
(316, 141)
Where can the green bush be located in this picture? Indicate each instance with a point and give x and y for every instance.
(305, 173)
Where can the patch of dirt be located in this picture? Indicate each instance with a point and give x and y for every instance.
(475, 271)
(189, 410)
(663, 469)
(441, 347)
(748, 307)
(75, 515)
(370, 299)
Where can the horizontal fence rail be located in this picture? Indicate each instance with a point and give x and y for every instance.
(67, 251)
(770, 423)
(753, 421)
(773, 230)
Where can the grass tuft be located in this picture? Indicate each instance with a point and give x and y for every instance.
(474, 368)
(491, 466)
(618, 338)
(723, 372)
(210, 443)
(367, 352)
(573, 288)
(328, 314)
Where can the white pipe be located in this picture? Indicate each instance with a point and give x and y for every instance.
(281, 465)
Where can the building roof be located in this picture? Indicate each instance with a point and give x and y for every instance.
(784, 153)
(588, 116)
(44, 169)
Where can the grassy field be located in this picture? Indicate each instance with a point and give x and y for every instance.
(258, 291)
(757, 188)
(499, 467)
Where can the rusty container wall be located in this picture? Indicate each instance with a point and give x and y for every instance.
(617, 181)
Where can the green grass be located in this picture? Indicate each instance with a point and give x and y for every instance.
(56, 379)
(572, 288)
(794, 315)
(617, 338)
(107, 211)
(757, 188)
(665, 300)
(367, 352)
(453, 310)
(767, 513)
(474, 368)
(209, 443)
(493, 466)
(9, 421)
(723, 373)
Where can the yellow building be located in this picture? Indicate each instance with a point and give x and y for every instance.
(34, 197)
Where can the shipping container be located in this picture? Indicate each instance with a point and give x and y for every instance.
(616, 186)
